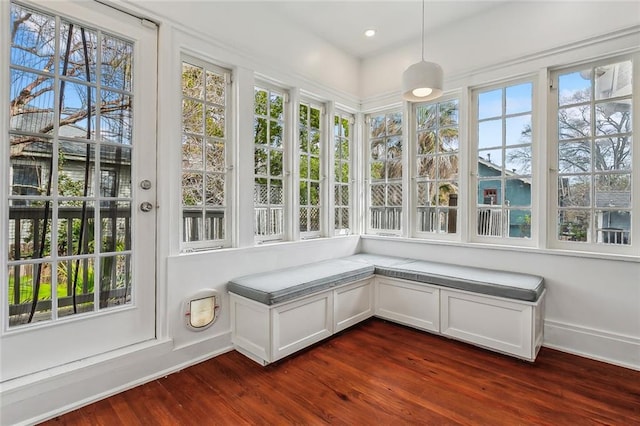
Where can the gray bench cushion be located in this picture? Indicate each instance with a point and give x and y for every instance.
(290, 283)
(510, 285)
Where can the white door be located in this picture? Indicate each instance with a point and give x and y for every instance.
(78, 178)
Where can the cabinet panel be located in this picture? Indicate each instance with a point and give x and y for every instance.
(301, 323)
(408, 303)
(489, 322)
(353, 303)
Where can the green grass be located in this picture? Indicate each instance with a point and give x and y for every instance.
(26, 289)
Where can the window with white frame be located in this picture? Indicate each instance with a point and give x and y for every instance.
(503, 161)
(437, 164)
(594, 153)
(342, 142)
(269, 196)
(309, 148)
(205, 139)
(385, 172)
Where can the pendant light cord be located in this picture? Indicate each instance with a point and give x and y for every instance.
(423, 30)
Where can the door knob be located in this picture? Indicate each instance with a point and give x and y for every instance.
(146, 206)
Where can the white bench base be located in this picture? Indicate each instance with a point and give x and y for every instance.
(269, 333)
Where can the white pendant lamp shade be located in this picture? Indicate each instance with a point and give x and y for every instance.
(422, 81)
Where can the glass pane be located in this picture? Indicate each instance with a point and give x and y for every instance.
(448, 113)
(315, 118)
(614, 80)
(427, 143)
(215, 124)
(275, 191)
(490, 162)
(423, 193)
(490, 104)
(78, 274)
(345, 128)
(519, 223)
(214, 189)
(33, 42)
(192, 153)
(613, 227)
(77, 114)
(518, 98)
(29, 113)
(448, 139)
(75, 169)
(489, 192)
(260, 131)
(518, 130)
(377, 170)
(260, 195)
(276, 106)
(490, 134)
(344, 149)
(573, 225)
(427, 167)
(574, 157)
(574, 191)
(260, 161)
(448, 194)
(394, 195)
(314, 194)
(448, 167)
(377, 195)
(304, 220)
(260, 102)
(574, 122)
(491, 221)
(613, 190)
(192, 186)
(377, 126)
(115, 281)
(314, 219)
(116, 121)
(314, 163)
(216, 86)
(394, 123)
(304, 193)
(30, 230)
(612, 154)
(215, 156)
(518, 160)
(275, 163)
(304, 115)
(574, 87)
(378, 149)
(613, 118)
(426, 116)
(115, 221)
(192, 81)
(75, 228)
(304, 167)
(30, 293)
(342, 172)
(275, 134)
(117, 63)
(517, 192)
(115, 161)
(314, 146)
(214, 224)
(394, 147)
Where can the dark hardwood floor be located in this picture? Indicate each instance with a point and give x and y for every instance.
(380, 373)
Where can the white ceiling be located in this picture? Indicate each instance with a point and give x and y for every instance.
(343, 22)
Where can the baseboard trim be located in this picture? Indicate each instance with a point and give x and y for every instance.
(612, 348)
(40, 400)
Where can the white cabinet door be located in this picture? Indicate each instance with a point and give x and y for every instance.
(408, 303)
(490, 322)
(352, 304)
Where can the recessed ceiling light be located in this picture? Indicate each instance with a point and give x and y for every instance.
(370, 32)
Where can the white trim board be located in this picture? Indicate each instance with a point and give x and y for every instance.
(612, 348)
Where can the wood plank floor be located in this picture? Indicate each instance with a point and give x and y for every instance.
(379, 373)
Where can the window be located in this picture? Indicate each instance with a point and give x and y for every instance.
(504, 158)
(437, 162)
(342, 142)
(385, 172)
(594, 153)
(205, 138)
(269, 128)
(309, 152)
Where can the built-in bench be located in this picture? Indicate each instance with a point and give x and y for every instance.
(277, 313)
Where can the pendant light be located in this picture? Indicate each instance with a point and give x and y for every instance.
(422, 81)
